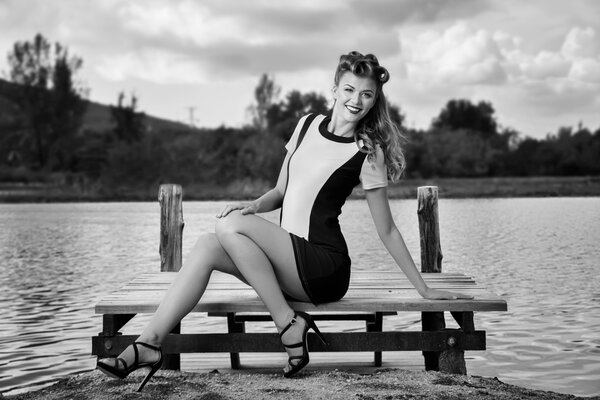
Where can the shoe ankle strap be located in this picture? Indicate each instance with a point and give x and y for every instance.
(148, 346)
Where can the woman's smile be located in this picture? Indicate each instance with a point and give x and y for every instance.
(354, 97)
(353, 109)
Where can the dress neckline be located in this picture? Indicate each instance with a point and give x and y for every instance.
(328, 135)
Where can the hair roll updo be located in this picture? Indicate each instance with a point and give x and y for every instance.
(376, 128)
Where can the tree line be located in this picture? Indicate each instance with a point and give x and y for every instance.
(41, 130)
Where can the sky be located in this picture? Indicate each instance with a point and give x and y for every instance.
(536, 61)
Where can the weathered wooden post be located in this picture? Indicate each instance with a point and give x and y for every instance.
(431, 261)
(170, 198)
(171, 227)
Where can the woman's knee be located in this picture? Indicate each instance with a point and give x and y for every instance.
(231, 223)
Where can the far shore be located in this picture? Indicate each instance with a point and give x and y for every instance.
(449, 188)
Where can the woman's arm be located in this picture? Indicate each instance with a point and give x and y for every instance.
(269, 201)
(394, 243)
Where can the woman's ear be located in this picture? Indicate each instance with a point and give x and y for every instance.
(334, 92)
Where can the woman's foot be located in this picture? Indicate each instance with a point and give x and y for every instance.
(122, 366)
(146, 355)
(294, 334)
(298, 327)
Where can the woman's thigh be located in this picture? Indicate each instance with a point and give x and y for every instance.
(274, 241)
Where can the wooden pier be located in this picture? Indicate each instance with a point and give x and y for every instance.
(372, 296)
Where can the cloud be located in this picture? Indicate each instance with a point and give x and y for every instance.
(216, 39)
(459, 55)
(228, 42)
(396, 12)
(580, 43)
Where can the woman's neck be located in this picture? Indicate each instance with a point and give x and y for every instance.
(340, 127)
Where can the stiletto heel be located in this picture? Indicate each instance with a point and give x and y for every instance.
(304, 358)
(312, 324)
(115, 372)
(150, 374)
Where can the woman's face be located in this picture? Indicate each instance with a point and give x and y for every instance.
(354, 97)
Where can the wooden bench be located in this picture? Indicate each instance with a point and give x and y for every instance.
(372, 295)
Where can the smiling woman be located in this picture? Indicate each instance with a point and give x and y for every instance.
(304, 258)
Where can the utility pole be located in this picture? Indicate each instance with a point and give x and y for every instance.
(192, 118)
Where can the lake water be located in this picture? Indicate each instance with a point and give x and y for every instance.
(541, 255)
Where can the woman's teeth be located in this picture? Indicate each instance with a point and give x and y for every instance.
(353, 110)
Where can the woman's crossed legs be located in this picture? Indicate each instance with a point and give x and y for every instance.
(249, 247)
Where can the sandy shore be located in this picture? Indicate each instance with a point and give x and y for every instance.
(330, 385)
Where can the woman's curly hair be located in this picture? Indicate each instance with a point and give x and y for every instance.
(376, 128)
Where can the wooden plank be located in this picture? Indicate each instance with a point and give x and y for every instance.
(357, 292)
(270, 342)
(249, 304)
(375, 285)
(355, 273)
(370, 291)
(353, 293)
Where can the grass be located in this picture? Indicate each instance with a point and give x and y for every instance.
(61, 190)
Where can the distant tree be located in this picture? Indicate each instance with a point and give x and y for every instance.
(68, 108)
(462, 114)
(397, 115)
(49, 97)
(456, 153)
(265, 95)
(282, 117)
(129, 124)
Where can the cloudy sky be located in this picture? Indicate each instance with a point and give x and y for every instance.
(536, 61)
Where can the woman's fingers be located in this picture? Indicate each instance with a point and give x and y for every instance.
(243, 207)
(434, 294)
(457, 296)
(225, 210)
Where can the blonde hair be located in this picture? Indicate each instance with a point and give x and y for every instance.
(377, 127)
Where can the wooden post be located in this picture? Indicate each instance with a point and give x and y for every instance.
(429, 229)
(451, 361)
(170, 198)
(171, 227)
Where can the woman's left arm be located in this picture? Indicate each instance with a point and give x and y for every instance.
(394, 243)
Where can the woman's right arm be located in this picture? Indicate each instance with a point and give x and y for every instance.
(269, 201)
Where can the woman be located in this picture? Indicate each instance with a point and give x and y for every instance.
(306, 257)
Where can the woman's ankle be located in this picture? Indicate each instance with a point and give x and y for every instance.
(285, 320)
(149, 338)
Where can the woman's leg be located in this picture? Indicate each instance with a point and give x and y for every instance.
(263, 253)
(249, 247)
(185, 292)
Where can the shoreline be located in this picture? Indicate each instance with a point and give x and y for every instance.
(449, 188)
(383, 383)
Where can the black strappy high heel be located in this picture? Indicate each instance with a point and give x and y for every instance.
(115, 372)
(304, 357)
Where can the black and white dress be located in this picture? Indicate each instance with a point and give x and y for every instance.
(322, 171)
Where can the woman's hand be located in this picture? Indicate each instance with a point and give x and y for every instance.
(244, 207)
(435, 294)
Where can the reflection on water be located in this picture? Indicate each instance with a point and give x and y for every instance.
(58, 260)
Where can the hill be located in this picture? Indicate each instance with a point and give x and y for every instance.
(97, 117)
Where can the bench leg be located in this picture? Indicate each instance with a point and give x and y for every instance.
(376, 326)
(173, 361)
(453, 361)
(234, 326)
(464, 320)
(111, 323)
(432, 321)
